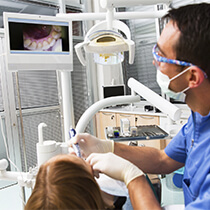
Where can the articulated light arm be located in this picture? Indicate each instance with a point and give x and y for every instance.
(136, 87)
(92, 110)
(165, 106)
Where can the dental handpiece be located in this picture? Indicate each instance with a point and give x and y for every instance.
(76, 147)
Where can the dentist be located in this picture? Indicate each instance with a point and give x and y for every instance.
(182, 58)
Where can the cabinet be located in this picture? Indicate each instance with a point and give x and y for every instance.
(130, 117)
(104, 119)
(146, 120)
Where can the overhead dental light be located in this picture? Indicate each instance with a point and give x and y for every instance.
(106, 42)
(107, 45)
(104, 39)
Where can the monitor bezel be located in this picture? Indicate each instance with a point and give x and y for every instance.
(37, 61)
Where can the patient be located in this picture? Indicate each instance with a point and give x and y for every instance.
(65, 182)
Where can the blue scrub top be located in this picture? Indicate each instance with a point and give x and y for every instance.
(192, 147)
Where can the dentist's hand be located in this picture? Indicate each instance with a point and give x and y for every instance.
(89, 144)
(114, 166)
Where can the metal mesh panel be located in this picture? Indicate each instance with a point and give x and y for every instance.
(2, 146)
(8, 9)
(147, 71)
(37, 89)
(30, 124)
(1, 66)
(80, 90)
(144, 35)
(1, 99)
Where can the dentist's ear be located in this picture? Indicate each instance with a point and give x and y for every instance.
(197, 77)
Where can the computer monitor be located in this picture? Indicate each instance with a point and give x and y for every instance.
(37, 42)
(113, 90)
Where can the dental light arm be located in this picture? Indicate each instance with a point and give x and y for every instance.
(136, 87)
(165, 106)
(92, 110)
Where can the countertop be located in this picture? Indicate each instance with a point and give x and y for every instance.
(138, 108)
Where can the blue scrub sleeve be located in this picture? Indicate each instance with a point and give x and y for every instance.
(203, 200)
(176, 149)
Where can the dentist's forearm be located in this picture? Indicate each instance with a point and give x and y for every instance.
(148, 159)
(141, 195)
(140, 156)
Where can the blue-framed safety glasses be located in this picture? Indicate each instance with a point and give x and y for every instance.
(159, 58)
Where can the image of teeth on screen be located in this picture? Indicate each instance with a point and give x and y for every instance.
(42, 37)
(39, 37)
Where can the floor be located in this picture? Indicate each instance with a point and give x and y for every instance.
(10, 195)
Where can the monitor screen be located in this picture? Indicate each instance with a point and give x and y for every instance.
(40, 37)
(35, 42)
(113, 90)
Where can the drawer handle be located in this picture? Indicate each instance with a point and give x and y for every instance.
(122, 115)
(145, 117)
(107, 114)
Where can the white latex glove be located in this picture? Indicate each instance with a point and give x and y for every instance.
(89, 144)
(114, 166)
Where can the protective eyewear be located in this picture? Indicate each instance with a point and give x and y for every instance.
(159, 58)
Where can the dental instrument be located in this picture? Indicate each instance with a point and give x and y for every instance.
(76, 147)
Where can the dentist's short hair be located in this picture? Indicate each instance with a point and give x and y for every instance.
(193, 22)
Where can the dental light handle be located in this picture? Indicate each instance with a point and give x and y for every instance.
(78, 50)
(131, 49)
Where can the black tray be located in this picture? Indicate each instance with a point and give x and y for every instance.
(144, 132)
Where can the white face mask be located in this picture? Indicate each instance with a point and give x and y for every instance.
(164, 82)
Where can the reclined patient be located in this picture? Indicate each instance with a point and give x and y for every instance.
(65, 182)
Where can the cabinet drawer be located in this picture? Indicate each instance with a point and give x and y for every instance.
(148, 143)
(130, 117)
(146, 120)
(104, 119)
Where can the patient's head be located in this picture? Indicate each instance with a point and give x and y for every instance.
(65, 182)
